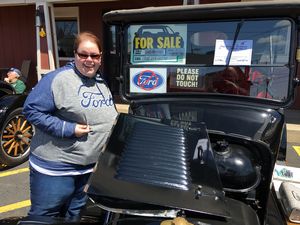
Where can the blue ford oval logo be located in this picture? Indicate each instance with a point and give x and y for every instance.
(148, 80)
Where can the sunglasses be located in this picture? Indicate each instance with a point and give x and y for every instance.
(85, 56)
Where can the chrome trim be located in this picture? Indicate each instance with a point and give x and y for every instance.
(172, 213)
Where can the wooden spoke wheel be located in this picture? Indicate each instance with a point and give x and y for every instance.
(16, 134)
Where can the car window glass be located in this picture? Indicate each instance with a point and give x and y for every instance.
(246, 57)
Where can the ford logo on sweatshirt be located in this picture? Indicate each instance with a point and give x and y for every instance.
(148, 80)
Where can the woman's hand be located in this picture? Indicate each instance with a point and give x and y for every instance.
(81, 130)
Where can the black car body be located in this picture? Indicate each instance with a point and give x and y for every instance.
(15, 131)
(204, 129)
(202, 136)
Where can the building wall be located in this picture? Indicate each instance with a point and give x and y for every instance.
(17, 39)
(90, 14)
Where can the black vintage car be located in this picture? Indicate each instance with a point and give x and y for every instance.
(15, 131)
(203, 133)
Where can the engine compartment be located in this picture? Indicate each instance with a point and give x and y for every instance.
(155, 164)
(244, 140)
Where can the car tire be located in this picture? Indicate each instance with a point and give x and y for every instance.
(15, 139)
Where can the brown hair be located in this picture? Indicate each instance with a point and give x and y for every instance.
(83, 36)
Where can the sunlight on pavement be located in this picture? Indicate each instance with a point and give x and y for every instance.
(15, 206)
(4, 174)
(297, 149)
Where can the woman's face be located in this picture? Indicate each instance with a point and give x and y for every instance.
(88, 58)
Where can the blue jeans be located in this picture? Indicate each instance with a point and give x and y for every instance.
(57, 196)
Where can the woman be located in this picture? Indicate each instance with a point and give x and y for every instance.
(73, 112)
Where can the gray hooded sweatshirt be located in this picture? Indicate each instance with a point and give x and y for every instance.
(56, 104)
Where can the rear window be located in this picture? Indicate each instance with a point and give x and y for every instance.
(247, 58)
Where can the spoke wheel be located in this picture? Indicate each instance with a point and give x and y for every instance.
(16, 135)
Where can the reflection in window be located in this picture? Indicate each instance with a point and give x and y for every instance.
(66, 31)
(271, 40)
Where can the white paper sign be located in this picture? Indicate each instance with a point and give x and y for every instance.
(241, 54)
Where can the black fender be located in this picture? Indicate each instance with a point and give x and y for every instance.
(10, 102)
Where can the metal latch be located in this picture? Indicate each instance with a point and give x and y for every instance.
(296, 82)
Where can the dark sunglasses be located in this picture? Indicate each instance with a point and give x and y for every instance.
(85, 56)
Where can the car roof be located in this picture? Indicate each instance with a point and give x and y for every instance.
(206, 11)
(153, 27)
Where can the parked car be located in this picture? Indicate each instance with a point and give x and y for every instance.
(202, 136)
(15, 131)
